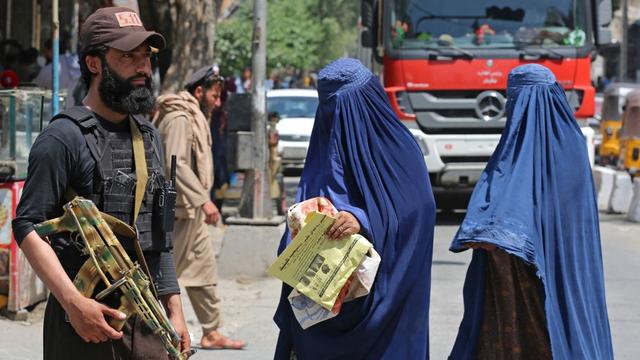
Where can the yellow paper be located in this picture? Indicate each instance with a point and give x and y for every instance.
(317, 266)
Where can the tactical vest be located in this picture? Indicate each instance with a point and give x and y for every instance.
(114, 177)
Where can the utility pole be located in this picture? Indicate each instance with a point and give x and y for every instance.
(624, 50)
(250, 238)
(55, 42)
(8, 21)
(75, 18)
(256, 198)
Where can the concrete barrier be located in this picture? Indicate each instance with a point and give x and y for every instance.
(248, 250)
(603, 178)
(589, 137)
(634, 209)
(622, 193)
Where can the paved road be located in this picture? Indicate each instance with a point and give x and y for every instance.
(248, 304)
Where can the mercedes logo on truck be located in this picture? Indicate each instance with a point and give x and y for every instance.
(490, 105)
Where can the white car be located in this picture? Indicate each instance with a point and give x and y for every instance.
(296, 109)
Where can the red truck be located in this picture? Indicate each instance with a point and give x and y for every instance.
(445, 67)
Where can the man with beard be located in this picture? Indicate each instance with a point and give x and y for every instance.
(89, 150)
(182, 121)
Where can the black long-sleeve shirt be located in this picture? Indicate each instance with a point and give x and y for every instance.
(59, 160)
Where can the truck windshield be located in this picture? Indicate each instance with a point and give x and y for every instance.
(474, 24)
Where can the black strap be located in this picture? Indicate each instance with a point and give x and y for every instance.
(85, 119)
(143, 124)
(81, 115)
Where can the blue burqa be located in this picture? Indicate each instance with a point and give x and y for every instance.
(363, 159)
(536, 200)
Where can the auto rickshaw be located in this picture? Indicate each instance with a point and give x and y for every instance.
(630, 134)
(611, 120)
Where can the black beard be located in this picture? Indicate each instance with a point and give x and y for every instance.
(120, 96)
(203, 108)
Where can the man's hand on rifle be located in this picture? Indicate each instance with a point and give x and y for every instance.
(173, 305)
(87, 317)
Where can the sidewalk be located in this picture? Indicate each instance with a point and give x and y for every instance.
(247, 309)
(248, 304)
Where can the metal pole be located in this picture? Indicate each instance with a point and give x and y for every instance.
(74, 28)
(256, 195)
(55, 67)
(37, 25)
(624, 50)
(8, 22)
(12, 126)
(34, 24)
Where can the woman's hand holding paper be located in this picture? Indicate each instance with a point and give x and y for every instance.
(345, 224)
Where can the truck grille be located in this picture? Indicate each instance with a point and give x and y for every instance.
(458, 112)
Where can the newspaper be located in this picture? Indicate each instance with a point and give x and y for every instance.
(316, 266)
(309, 313)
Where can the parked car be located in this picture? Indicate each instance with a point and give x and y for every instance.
(296, 109)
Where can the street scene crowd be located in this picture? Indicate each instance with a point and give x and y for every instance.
(129, 184)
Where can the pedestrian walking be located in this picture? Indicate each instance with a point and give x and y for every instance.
(219, 138)
(243, 82)
(535, 285)
(182, 120)
(367, 163)
(89, 150)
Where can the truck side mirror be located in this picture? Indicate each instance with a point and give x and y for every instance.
(604, 14)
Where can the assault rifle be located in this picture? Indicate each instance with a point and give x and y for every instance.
(109, 262)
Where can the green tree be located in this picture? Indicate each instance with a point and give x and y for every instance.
(303, 34)
(340, 19)
(292, 35)
(233, 41)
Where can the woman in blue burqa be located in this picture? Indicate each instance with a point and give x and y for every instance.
(535, 285)
(367, 163)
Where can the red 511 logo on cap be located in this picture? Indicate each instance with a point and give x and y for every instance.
(128, 18)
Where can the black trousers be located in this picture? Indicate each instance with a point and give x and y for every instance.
(61, 342)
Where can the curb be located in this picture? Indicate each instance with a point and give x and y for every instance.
(634, 209)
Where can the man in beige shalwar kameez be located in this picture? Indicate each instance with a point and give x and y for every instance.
(183, 122)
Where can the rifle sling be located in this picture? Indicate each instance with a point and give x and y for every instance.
(141, 184)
